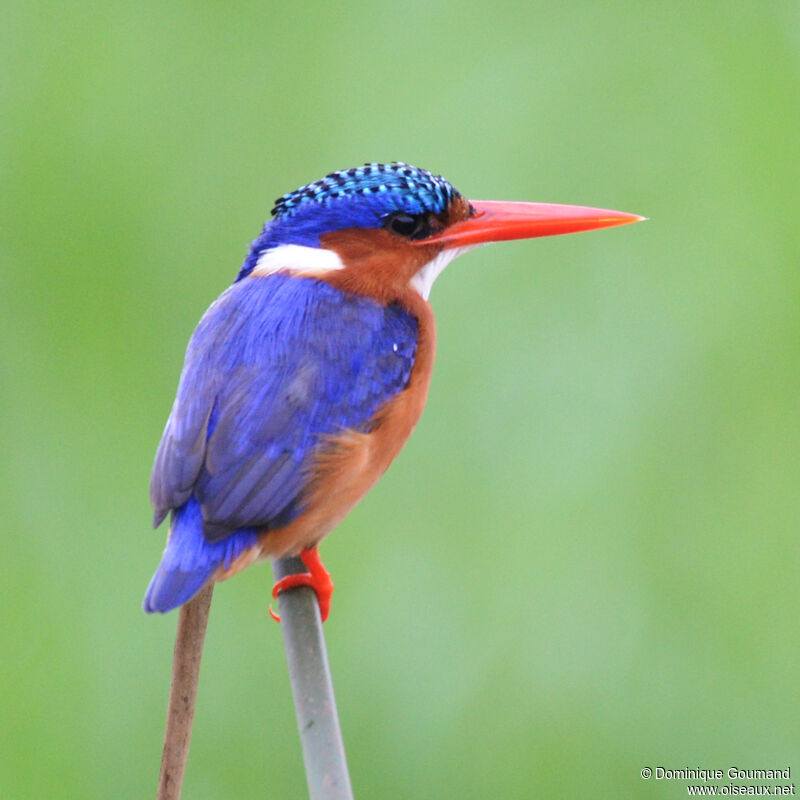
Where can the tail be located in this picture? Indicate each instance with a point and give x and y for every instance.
(189, 560)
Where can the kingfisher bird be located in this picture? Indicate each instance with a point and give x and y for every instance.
(305, 378)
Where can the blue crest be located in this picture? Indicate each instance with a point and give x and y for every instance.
(415, 190)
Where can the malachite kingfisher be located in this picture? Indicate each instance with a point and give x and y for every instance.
(305, 378)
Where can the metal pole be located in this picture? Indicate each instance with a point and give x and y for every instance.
(312, 688)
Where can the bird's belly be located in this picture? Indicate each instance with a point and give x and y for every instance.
(345, 469)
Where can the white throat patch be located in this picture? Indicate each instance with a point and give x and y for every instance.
(424, 278)
(296, 258)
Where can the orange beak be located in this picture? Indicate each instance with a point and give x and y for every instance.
(495, 221)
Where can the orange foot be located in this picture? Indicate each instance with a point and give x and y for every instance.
(317, 577)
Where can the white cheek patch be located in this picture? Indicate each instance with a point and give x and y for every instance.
(423, 280)
(296, 258)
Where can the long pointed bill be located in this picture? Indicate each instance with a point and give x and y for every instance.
(495, 221)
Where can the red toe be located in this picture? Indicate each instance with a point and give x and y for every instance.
(317, 577)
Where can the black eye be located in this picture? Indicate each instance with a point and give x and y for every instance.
(403, 224)
(412, 227)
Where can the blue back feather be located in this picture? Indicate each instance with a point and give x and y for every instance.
(276, 364)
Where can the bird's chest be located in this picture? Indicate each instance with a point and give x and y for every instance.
(361, 397)
(349, 462)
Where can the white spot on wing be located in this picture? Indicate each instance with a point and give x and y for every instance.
(423, 280)
(296, 258)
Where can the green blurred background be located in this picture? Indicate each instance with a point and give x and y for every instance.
(585, 561)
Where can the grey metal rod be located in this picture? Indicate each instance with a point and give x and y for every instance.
(312, 688)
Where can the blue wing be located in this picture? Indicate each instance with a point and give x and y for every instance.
(276, 364)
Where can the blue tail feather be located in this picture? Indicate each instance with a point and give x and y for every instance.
(189, 560)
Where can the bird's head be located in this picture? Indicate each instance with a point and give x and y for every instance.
(387, 227)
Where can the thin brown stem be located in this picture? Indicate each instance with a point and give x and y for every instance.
(192, 622)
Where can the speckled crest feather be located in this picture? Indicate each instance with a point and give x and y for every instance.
(428, 191)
